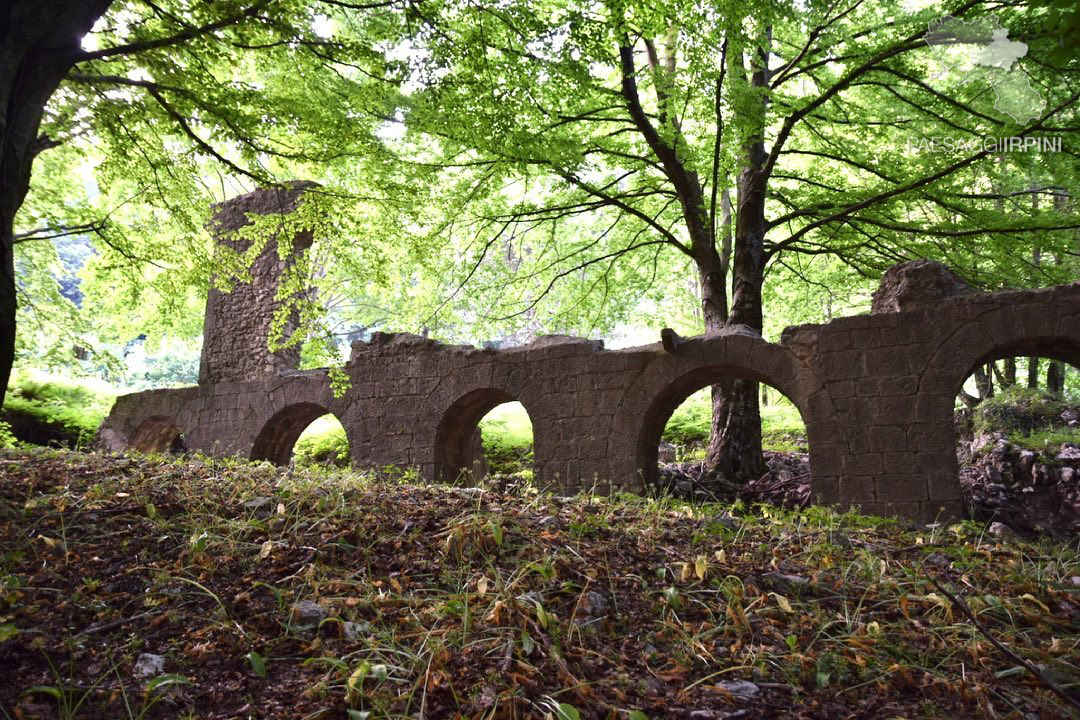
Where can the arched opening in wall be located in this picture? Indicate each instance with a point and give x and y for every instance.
(674, 443)
(1017, 421)
(158, 434)
(323, 443)
(485, 434)
(324, 440)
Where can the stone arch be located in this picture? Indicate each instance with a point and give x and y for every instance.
(157, 434)
(1033, 329)
(457, 444)
(1027, 326)
(278, 435)
(672, 378)
(1065, 349)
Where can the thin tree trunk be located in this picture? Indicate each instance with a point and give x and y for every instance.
(1009, 379)
(1055, 370)
(984, 384)
(1036, 260)
(1055, 377)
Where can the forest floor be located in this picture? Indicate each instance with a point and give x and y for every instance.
(190, 588)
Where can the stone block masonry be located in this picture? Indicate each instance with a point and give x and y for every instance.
(237, 322)
(876, 391)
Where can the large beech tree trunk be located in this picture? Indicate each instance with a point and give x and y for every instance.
(39, 44)
(735, 442)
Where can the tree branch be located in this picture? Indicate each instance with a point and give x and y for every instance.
(180, 37)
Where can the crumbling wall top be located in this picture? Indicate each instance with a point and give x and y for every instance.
(916, 284)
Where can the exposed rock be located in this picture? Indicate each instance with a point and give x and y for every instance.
(785, 582)
(665, 453)
(727, 520)
(148, 665)
(916, 284)
(1027, 462)
(261, 506)
(532, 597)
(593, 603)
(306, 615)
(550, 340)
(941, 559)
(743, 689)
(1001, 530)
(355, 631)
(1069, 453)
(1022, 490)
(549, 522)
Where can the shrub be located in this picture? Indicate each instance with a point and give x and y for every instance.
(323, 443)
(508, 440)
(1019, 410)
(45, 409)
(506, 452)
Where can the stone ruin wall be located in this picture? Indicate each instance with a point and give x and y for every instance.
(876, 393)
(237, 323)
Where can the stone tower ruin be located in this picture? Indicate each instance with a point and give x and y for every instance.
(238, 322)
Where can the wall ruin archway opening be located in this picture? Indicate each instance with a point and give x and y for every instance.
(277, 438)
(157, 434)
(682, 411)
(1017, 425)
(472, 441)
(323, 443)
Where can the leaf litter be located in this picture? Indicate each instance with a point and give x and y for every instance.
(262, 592)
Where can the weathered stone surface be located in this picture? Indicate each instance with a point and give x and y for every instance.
(876, 392)
(148, 665)
(916, 284)
(237, 322)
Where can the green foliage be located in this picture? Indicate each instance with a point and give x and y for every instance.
(322, 443)
(508, 440)
(7, 437)
(1019, 410)
(170, 363)
(71, 408)
(1048, 441)
(148, 141)
(482, 176)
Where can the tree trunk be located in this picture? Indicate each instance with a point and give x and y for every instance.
(1055, 377)
(735, 446)
(984, 386)
(41, 42)
(1033, 373)
(1010, 373)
